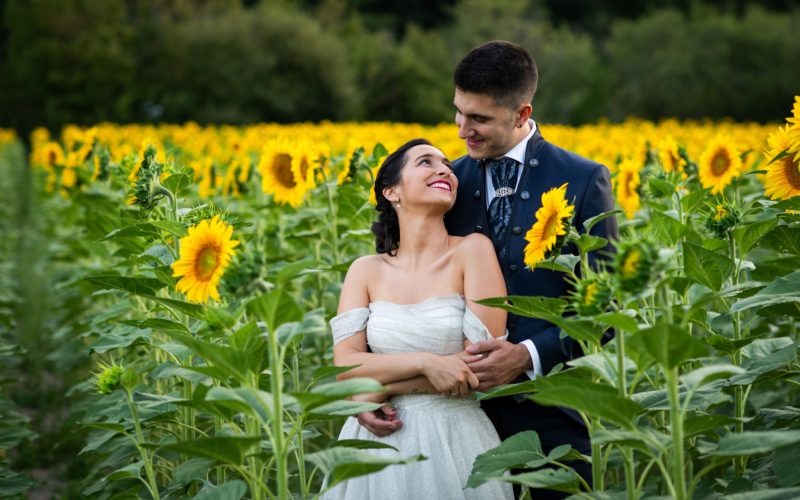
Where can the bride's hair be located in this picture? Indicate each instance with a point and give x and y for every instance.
(387, 228)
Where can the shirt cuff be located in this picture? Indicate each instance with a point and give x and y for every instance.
(537, 364)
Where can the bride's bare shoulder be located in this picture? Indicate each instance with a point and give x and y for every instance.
(473, 246)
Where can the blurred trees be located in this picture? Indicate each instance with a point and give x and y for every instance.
(234, 61)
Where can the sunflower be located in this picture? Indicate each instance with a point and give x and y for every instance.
(287, 171)
(722, 218)
(633, 265)
(719, 164)
(794, 129)
(205, 253)
(591, 296)
(669, 156)
(627, 184)
(51, 155)
(552, 222)
(782, 180)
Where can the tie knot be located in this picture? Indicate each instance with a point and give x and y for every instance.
(504, 172)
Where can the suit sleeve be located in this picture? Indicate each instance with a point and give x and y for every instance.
(598, 199)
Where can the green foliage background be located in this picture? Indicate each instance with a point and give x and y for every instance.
(81, 61)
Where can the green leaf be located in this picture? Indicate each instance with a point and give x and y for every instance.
(661, 188)
(131, 471)
(784, 462)
(564, 263)
(784, 239)
(194, 469)
(532, 307)
(194, 310)
(669, 228)
(622, 320)
(694, 379)
(785, 289)
(136, 285)
(230, 490)
(157, 324)
(706, 267)
(226, 449)
(324, 394)
(755, 442)
(119, 337)
(170, 226)
(522, 450)
(668, 344)
(706, 424)
(644, 439)
(763, 356)
(604, 364)
(694, 199)
(748, 236)
(703, 398)
(773, 494)
(552, 479)
(596, 400)
(586, 243)
(339, 464)
(500, 391)
(13, 483)
(589, 223)
(245, 400)
(235, 362)
(324, 372)
(363, 444)
(345, 408)
(177, 182)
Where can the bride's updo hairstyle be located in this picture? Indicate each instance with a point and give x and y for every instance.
(387, 228)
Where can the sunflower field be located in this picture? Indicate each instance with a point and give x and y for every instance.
(167, 290)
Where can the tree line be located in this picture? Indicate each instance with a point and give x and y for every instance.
(232, 61)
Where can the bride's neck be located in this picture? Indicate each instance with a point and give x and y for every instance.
(423, 238)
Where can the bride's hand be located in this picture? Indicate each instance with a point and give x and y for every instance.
(450, 375)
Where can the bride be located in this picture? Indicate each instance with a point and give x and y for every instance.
(412, 305)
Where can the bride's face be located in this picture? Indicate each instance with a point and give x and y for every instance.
(427, 180)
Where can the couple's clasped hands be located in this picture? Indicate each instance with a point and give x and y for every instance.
(480, 367)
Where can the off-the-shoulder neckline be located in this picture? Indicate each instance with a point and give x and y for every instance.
(423, 301)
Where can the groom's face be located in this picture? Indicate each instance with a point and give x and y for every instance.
(487, 128)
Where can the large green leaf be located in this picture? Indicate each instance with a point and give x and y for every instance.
(231, 490)
(596, 400)
(323, 394)
(226, 449)
(706, 424)
(785, 289)
(522, 450)
(644, 439)
(586, 243)
(668, 344)
(694, 379)
(772, 494)
(552, 479)
(194, 469)
(589, 223)
(604, 364)
(784, 239)
(13, 483)
(235, 362)
(246, 400)
(194, 310)
(119, 337)
(706, 396)
(749, 235)
(339, 463)
(533, 307)
(763, 356)
(134, 284)
(706, 267)
(668, 227)
(754, 442)
(785, 462)
(344, 408)
(507, 390)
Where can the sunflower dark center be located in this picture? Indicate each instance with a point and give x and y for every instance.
(206, 263)
(791, 167)
(282, 168)
(720, 163)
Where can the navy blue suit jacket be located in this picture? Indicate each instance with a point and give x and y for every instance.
(546, 166)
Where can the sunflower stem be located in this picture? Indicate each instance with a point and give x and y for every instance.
(146, 458)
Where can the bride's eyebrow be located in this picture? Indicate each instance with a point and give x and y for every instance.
(430, 155)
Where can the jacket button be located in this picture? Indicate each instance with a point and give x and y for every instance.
(524, 195)
(512, 268)
(478, 229)
(477, 194)
(517, 230)
(533, 162)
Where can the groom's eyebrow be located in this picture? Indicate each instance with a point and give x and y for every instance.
(473, 116)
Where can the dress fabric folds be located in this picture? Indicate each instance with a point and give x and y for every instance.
(450, 431)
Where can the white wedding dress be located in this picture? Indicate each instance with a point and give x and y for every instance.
(450, 431)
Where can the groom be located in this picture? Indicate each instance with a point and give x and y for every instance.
(501, 182)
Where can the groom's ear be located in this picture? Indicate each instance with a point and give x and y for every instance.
(523, 114)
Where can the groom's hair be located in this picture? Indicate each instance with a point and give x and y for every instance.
(501, 69)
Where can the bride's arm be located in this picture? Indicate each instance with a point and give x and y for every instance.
(449, 374)
(483, 279)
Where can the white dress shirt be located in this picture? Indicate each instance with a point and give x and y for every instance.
(518, 153)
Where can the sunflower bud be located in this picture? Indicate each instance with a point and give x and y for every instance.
(146, 178)
(591, 296)
(109, 379)
(722, 218)
(634, 265)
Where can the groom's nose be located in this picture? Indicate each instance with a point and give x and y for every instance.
(464, 130)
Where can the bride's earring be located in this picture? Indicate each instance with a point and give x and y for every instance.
(397, 204)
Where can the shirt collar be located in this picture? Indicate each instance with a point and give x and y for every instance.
(518, 151)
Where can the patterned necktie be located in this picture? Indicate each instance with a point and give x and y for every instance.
(504, 179)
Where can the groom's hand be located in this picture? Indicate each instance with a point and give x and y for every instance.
(501, 364)
(451, 374)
